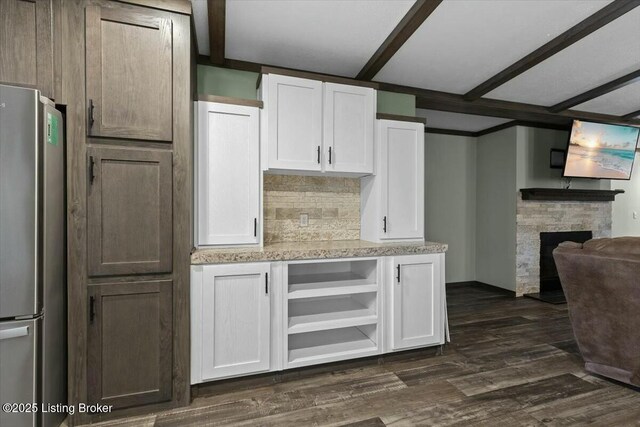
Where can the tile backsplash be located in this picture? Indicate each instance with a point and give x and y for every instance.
(332, 205)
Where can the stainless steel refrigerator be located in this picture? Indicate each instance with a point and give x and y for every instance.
(32, 259)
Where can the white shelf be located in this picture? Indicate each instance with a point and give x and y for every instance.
(322, 285)
(330, 313)
(324, 277)
(327, 346)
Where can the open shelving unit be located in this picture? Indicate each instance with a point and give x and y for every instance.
(333, 311)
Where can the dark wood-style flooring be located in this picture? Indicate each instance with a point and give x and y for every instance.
(511, 362)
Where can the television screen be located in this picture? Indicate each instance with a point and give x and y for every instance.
(599, 150)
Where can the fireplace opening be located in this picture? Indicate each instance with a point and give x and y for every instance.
(550, 287)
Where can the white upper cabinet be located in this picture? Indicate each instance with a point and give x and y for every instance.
(415, 286)
(402, 176)
(392, 201)
(318, 127)
(294, 123)
(227, 175)
(349, 115)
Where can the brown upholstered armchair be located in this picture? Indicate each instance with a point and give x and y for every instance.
(601, 280)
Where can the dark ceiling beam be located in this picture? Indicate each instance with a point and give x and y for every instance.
(497, 128)
(456, 132)
(618, 83)
(217, 18)
(400, 34)
(631, 115)
(522, 123)
(444, 101)
(594, 22)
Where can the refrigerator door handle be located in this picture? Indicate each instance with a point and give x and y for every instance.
(6, 334)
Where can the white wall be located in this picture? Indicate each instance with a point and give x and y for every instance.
(626, 204)
(450, 208)
(496, 209)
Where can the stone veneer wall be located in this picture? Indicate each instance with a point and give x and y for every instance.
(534, 217)
(333, 206)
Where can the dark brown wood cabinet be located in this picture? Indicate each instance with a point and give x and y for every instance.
(129, 73)
(129, 192)
(26, 44)
(129, 343)
(129, 211)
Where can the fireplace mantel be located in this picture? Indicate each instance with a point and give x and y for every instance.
(561, 194)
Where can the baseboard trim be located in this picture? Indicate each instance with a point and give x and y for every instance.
(483, 285)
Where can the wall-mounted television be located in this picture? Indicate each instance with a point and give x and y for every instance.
(603, 151)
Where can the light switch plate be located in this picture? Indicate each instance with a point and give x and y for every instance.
(304, 220)
(635, 215)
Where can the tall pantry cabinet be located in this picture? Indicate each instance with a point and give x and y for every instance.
(126, 81)
(26, 44)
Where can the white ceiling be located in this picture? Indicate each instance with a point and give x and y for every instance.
(602, 56)
(457, 121)
(462, 44)
(619, 102)
(336, 37)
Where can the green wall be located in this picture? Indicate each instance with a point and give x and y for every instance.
(450, 208)
(623, 222)
(227, 82)
(242, 84)
(396, 103)
(533, 168)
(496, 198)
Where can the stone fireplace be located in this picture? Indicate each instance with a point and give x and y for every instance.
(534, 217)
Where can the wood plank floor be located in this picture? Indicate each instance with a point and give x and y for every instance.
(511, 362)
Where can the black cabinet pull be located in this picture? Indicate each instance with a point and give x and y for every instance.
(92, 175)
(329, 155)
(266, 283)
(398, 273)
(318, 154)
(92, 309)
(91, 107)
(384, 224)
(255, 227)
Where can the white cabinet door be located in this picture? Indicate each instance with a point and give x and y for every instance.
(349, 116)
(230, 309)
(416, 301)
(228, 174)
(402, 179)
(294, 111)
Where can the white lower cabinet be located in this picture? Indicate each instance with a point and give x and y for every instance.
(230, 320)
(415, 287)
(252, 318)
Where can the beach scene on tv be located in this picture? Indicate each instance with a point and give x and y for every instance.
(601, 151)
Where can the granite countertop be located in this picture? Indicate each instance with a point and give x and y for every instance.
(289, 251)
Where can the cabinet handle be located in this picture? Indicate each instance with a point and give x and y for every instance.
(266, 283)
(384, 224)
(318, 154)
(255, 227)
(398, 273)
(329, 155)
(92, 309)
(92, 175)
(91, 106)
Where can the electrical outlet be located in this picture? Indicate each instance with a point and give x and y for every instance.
(304, 220)
(635, 215)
